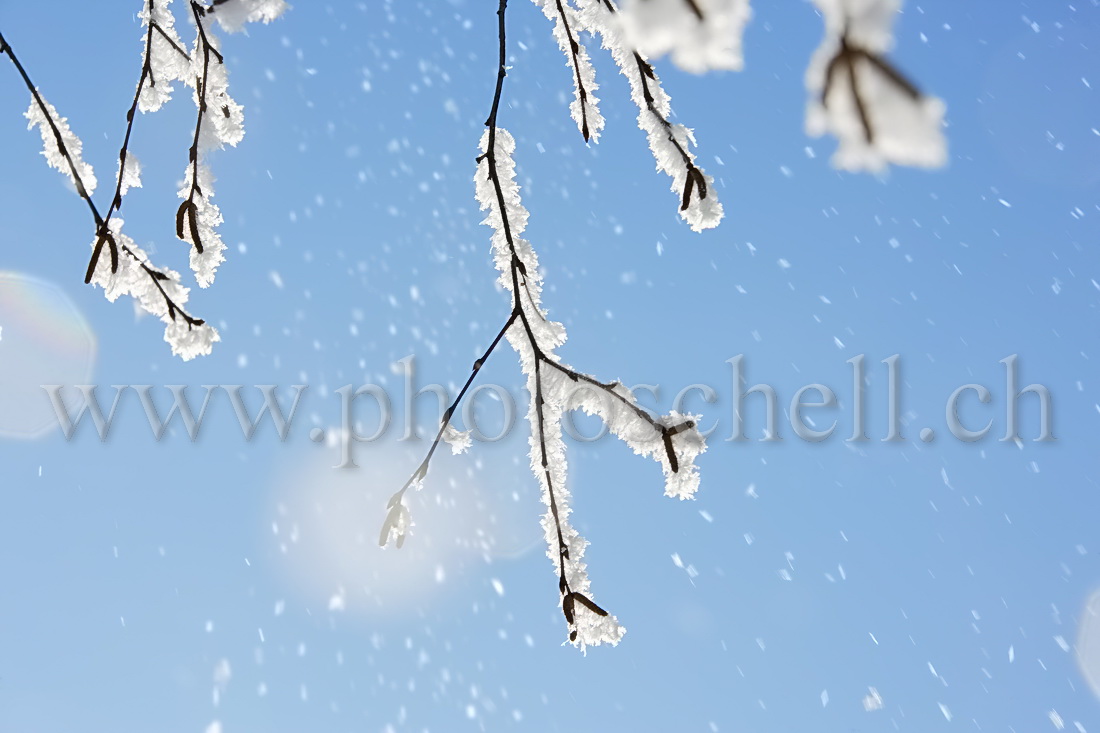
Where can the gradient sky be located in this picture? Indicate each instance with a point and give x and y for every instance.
(167, 585)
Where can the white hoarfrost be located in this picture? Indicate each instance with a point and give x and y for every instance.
(150, 286)
(620, 413)
(670, 143)
(135, 277)
(129, 175)
(233, 15)
(39, 116)
(200, 223)
(876, 115)
(123, 268)
(220, 122)
(554, 387)
(697, 41)
(459, 440)
(567, 27)
(168, 61)
(223, 119)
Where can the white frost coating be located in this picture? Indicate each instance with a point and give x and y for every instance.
(207, 217)
(657, 27)
(187, 341)
(624, 423)
(670, 143)
(586, 111)
(166, 62)
(85, 175)
(550, 334)
(592, 629)
(558, 386)
(233, 15)
(220, 122)
(223, 120)
(459, 440)
(130, 176)
(906, 129)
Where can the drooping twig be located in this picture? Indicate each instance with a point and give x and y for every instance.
(78, 181)
(668, 141)
(567, 28)
(694, 177)
(422, 470)
(102, 233)
(188, 210)
(574, 51)
(526, 330)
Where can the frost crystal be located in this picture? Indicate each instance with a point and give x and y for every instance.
(39, 116)
(129, 176)
(168, 61)
(459, 440)
(198, 225)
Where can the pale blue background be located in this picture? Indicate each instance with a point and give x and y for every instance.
(354, 184)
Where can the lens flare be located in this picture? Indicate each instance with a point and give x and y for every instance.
(44, 339)
(325, 526)
(1088, 642)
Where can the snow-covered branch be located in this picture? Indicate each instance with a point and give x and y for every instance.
(198, 217)
(670, 142)
(553, 386)
(705, 34)
(127, 269)
(567, 27)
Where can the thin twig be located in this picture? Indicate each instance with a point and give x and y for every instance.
(422, 469)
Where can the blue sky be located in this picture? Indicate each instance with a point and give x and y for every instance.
(947, 576)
